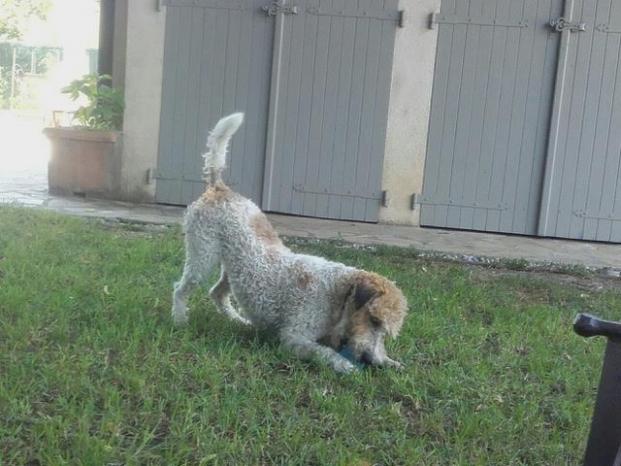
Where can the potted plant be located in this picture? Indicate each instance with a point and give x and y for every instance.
(86, 158)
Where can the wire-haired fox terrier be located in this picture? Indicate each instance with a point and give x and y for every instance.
(315, 306)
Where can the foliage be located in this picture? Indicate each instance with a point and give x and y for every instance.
(44, 57)
(92, 371)
(29, 61)
(15, 13)
(104, 109)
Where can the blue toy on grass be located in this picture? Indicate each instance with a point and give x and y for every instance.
(348, 354)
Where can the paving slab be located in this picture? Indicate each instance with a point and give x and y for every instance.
(462, 244)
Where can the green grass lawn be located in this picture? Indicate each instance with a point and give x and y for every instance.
(93, 372)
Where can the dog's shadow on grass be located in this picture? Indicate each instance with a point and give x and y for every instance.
(216, 334)
(249, 343)
(208, 325)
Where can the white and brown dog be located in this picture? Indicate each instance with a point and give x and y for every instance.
(314, 305)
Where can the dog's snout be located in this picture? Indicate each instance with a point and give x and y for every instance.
(366, 358)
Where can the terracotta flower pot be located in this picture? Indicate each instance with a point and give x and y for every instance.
(84, 162)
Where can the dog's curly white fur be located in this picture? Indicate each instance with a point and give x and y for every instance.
(314, 305)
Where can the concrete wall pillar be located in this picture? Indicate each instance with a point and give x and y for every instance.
(142, 78)
(408, 114)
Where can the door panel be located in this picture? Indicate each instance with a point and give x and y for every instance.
(583, 195)
(523, 134)
(217, 60)
(491, 103)
(314, 82)
(330, 89)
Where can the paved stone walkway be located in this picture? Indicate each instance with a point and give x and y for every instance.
(23, 181)
(29, 189)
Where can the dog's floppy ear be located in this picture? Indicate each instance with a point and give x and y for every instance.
(363, 293)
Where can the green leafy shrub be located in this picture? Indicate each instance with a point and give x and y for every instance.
(104, 109)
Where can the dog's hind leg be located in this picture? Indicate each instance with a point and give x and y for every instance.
(196, 268)
(221, 295)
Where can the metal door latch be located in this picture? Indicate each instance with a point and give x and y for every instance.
(560, 24)
(279, 6)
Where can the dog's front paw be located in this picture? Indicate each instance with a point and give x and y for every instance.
(343, 366)
(394, 364)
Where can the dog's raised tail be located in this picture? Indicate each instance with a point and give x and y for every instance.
(217, 145)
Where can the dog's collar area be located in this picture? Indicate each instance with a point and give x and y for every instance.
(335, 337)
(343, 309)
(348, 295)
(339, 312)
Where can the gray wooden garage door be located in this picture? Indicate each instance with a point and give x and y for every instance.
(523, 134)
(217, 60)
(330, 104)
(313, 77)
(582, 191)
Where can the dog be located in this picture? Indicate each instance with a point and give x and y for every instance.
(313, 305)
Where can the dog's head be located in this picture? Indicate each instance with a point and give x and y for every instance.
(374, 307)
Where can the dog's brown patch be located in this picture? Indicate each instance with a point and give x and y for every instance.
(303, 280)
(358, 325)
(264, 230)
(217, 193)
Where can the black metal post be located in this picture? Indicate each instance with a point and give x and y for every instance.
(106, 37)
(604, 444)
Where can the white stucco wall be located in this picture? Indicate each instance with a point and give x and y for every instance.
(408, 115)
(143, 89)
